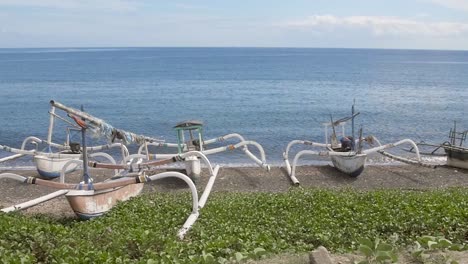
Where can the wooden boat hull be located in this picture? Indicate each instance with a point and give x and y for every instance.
(351, 165)
(90, 204)
(49, 165)
(457, 157)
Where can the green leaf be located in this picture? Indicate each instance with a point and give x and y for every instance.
(416, 253)
(417, 246)
(366, 242)
(222, 260)
(382, 256)
(257, 250)
(432, 244)
(444, 243)
(393, 256)
(384, 247)
(367, 251)
(239, 256)
(456, 247)
(425, 239)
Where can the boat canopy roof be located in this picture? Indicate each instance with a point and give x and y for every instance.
(189, 123)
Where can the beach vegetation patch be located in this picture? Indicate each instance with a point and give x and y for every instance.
(234, 227)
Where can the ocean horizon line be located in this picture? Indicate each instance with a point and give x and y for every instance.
(103, 48)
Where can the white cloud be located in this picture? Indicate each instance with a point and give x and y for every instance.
(112, 5)
(189, 7)
(380, 26)
(453, 4)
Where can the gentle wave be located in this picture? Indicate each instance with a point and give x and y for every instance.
(436, 62)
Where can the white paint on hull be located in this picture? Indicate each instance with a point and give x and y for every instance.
(50, 165)
(457, 163)
(352, 165)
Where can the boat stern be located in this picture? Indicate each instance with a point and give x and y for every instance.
(457, 157)
(351, 165)
(88, 204)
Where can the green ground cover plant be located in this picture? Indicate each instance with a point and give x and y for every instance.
(237, 226)
(430, 249)
(376, 252)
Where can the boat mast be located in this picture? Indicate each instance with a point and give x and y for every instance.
(333, 140)
(352, 125)
(51, 125)
(85, 152)
(454, 133)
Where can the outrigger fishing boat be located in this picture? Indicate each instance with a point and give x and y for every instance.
(49, 163)
(348, 155)
(89, 199)
(190, 138)
(454, 149)
(457, 153)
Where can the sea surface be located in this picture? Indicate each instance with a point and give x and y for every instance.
(269, 95)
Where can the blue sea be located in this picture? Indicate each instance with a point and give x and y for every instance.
(269, 95)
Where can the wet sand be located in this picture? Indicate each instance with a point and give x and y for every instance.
(254, 179)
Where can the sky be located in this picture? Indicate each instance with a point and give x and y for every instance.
(396, 24)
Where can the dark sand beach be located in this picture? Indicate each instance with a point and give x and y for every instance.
(252, 179)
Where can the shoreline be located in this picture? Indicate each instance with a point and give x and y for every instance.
(436, 161)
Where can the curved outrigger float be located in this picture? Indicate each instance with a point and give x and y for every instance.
(89, 199)
(348, 156)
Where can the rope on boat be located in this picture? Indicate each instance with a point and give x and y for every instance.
(99, 128)
(139, 166)
(149, 164)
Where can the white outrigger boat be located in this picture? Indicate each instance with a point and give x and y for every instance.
(348, 156)
(49, 163)
(89, 199)
(190, 138)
